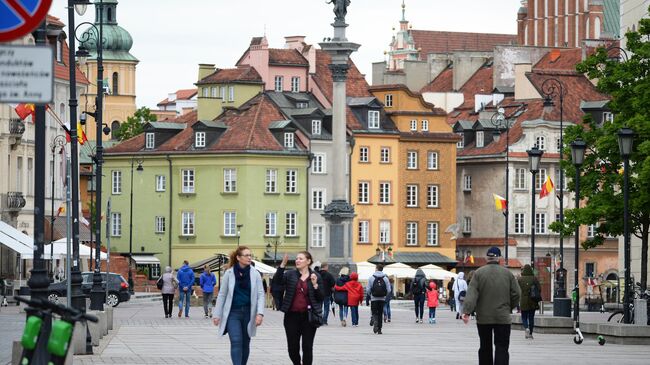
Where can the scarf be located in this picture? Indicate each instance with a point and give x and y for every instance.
(242, 276)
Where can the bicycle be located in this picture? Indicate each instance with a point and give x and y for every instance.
(618, 315)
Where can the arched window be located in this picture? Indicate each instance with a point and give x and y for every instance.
(115, 127)
(115, 82)
(109, 15)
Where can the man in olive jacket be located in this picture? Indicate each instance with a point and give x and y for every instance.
(492, 294)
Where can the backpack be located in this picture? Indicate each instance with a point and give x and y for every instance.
(417, 288)
(378, 288)
(535, 294)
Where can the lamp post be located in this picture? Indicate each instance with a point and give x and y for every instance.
(625, 144)
(239, 233)
(534, 157)
(139, 161)
(57, 143)
(577, 157)
(383, 251)
(500, 124)
(274, 245)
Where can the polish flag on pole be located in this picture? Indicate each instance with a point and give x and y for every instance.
(500, 203)
(547, 187)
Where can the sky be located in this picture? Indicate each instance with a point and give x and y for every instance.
(171, 37)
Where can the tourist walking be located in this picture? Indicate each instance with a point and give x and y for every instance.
(207, 281)
(450, 295)
(341, 296)
(418, 289)
(328, 287)
(432, 301)
(185, 277)
(492, 294)
(355, 296)
(378, 287)
(302, 306)
(389, 298)
(460, 291)
(527, 304)
(240, 304)
(169, 285)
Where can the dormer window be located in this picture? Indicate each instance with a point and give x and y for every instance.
(288, 140)
(480, 140)
(388, 100)
(315, 127)
(608, 117)
(425, 126)
(59, 50)
(149, 140)
(414, 125)
(199, 139)
(279, 80)
(540, 142)
(461, 143)
(302, 105)
(373, 119)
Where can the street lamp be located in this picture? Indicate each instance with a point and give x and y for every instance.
(500, 124)
(239, 233)
(534, 157)
(274, 245)
(139, 161)
(577, 156)
(57, 143)
(383, 251)
(625, 144)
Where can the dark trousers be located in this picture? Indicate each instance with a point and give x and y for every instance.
(326, 309)
(501, 344)
(419, 305)
(528, 319)
(168, 302)
(354, 311)
(377, 310)
(432, 312)
(296, 325)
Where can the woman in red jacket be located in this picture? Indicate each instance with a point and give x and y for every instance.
(355, 296)
(432, 301)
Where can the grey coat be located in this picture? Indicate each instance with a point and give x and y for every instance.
(224, 299)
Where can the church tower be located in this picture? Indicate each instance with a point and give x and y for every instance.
(402, 47)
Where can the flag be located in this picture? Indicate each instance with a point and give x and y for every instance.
(81, 135)
(25, 110)
(547, 187)
(84, 221)
(500, 202)
(61, 209)
(469, 259)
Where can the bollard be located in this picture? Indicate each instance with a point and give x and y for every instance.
(640, 311)
(109, 317)
(78, 346)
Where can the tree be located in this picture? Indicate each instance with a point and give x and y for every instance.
(133, 125)
(628, 83)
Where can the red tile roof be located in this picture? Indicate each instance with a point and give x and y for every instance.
(51, 19)
(429, 41)
(559, 61)
(290, 57)
(183, 94)
(243, 74)
(444, 82)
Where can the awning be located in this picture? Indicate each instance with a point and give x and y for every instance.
(365, 270)
(16, 240)
(399, 270)
(264, 268)
(436, 272)
(145, 259)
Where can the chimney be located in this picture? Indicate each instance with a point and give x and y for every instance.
(295, 42)
(524, 89)
(205, 69)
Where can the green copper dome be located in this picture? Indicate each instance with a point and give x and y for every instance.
(117, 42)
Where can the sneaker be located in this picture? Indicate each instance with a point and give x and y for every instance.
(180, 312)
(343, 324)
(430, 321)
(375, 329)
(526, 335)
(379, 332)
(433, 320)
(388, 320)
(206, 316)
(372, 321)
(457, 315)
(210, 312)
(417, 320)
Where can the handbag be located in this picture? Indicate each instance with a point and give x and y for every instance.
(159, 283)
(314, 318)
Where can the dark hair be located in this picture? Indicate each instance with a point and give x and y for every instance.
(186, 262)
(232, 259)
(307, 255)
(379, 267)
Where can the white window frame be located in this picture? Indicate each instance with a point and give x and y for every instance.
(229, 180)
(432, 160)
(222, 93)
(318, 196)
(316, 127)
(159, 224)
(188, 181)
(161, 182)
(414, 125)
(411, 233)
(540, 142)
(541, 223)
(289, 140)
(291, 186)
(199, 139)
(231, 93)
(467, 182)
(116, 224)
(608, 117)
(592, 230)
(433, 232)
(411, 196)
(116, 182)
(278, 83)
(291, 223)
(271, 181)
(467, 224)
(271, 224)
(363, 231)
(213, 91)
(317, 235)
(384, 155)
(521, 175)
(425, 125)
(364, 192)
(384, 232)
(384, 192)
(539, 179)
(388, 100)
(318, 165)
(520, 223)
(433, 196)
(480, 139)
(295, 84)
(149, 140)
(364, 153)
(188, 226)
(558, 147)
(461, 143)
(557, 179)
(412, 160)
(205, 92)
(373, 119)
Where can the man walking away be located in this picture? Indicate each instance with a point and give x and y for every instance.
(492, 294)
(378, 287)
(460, 291)
(418, 289)
(207, 282)
(185, 279)
(328, 285)
(530, 297)
(450, 297)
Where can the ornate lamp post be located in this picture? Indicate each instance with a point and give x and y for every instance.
(58, 143)
(500, 124)
(534, 157)
(239, 233)
(577, 157)
(139, 161)
(625, 144)
(384, 251)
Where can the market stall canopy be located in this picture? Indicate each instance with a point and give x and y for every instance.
(16, 240)
(399, 270)
(264, 268)
(60, 249)
(365, 270)
(435, 272)
(145, 259)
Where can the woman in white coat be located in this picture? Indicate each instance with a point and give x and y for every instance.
(240, 304)
(460, 286)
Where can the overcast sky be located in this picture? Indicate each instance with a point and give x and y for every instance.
(171, 37)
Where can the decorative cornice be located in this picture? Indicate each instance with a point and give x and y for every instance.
(339, 71)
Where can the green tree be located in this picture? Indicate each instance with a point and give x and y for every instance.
(628, 83)
(133, 125)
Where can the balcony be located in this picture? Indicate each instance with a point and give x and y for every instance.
(15, 201)
(16, 130)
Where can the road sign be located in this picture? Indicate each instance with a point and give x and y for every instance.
(20, 17)
(26, 74)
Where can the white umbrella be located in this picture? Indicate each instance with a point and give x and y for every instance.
(365, 270)
(437, 273)
(399, 270)
(60, 250)
(264, 268)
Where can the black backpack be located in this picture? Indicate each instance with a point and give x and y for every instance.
(535, 293)
(416, 287)
(378, 288)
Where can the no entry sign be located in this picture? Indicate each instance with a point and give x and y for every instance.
(20, 17)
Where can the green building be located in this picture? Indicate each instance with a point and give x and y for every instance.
(223, 88)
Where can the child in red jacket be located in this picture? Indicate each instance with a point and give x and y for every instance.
(432, 301)
(355, 296)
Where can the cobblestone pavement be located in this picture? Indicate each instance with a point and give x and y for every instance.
(143, 336)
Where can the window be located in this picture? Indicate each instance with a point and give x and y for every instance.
(187, 224)
(288, 140)
(115, 83)
(302, 105)
(373, 119)
(229, 180)
(160, 225)
(411, 196)
(432, 196)
(149, 140)
(557, 179)
(540, 223)
(412, 160)
(19, 174)
(461, 142)
(520, 223)
(116, 182)
(467, 182)
(199, 139)
(411, 233)
(608, 117)
(222, 93)
(364, 230)
(540, 142)
(290, 224)
(480, 139)
(384, 193)
(30, 176)
(279, 80)
(363, 154)
(414, 125)
(520, 178)
(590, 269)
(295, 84)
(425, 125)
(317, 235)
(467, 224)
(592, 229)
(271, 224)
(213, 92)
(384, 231)
(160, 182)
(558, 145)
(385, 155)
(432, 233)
(388, 100)
(271, 181)
(231, 93)
(59, 51)
(364, 192)
(292, 182)
(116, 224)
(187, 181)
(318, 164)
(316, 127)
(540, 178)
(205, 92)
(432, 160)
(318, 199)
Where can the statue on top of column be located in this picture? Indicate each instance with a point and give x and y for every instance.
(340, 8)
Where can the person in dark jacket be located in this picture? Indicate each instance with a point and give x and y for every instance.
(302, 293)
(450, 295)
(207, 281)
(328, 287)
(418, 289)
(185, 277)
(341, 296)
(527, 305)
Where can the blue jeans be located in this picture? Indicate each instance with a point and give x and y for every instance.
(354, 311)
(387, 309)
(432, 312)
(184, 296)
(528, 319)
(237, 327)
(326, 309)
(419, 305)
(343, 312)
